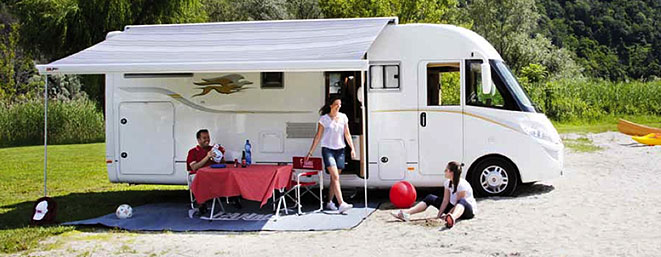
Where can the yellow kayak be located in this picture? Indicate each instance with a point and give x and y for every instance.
(649, 139)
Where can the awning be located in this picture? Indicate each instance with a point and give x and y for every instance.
(291, 45)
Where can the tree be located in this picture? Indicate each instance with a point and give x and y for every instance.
(613, 39)
(246, 10)
(52, 29)
(16, 66)
(511, 27)
(408, 11)
(57, 28)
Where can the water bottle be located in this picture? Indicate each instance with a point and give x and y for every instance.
(248, 154)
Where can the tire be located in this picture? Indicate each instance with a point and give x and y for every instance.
(494, 176)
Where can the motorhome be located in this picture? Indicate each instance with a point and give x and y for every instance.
(417, 96)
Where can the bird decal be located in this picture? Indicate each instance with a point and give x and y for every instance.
(228, 84)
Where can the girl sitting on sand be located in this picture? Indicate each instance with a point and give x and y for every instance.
(457, 202)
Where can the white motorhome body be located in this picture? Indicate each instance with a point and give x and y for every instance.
(414, 95)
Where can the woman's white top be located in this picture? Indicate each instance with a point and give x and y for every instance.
(333, 136)
(463, 186)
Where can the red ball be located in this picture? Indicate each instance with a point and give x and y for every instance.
(402, 194)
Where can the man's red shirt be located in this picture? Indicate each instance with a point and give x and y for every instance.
(197, 154)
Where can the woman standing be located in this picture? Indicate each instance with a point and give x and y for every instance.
(457, 202)
(333, 129)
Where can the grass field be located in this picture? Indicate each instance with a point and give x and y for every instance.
(78, 181)
(604, 124)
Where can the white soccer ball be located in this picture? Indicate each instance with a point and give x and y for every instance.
(124, 211)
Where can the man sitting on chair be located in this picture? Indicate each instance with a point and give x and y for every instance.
(201, 156)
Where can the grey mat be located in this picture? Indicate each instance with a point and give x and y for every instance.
(175, 217)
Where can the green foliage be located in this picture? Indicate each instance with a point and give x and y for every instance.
(57, 28)
(245, 10)
(408, 11)
(16, 67)
(615, 40)
(23, 123)
(510, 26)
(569, 99)
(450, 88)
(53, 29)
(533, 73)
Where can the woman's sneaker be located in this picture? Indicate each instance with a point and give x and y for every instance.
(345, 207)
(331, 206)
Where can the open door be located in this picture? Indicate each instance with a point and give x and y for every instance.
(440, 128)
(345, 85)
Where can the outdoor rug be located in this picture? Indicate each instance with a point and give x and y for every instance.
(175, 217)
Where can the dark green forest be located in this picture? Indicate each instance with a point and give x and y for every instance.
(578, 59)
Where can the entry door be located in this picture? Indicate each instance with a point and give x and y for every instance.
(440, 128)
(146, 138)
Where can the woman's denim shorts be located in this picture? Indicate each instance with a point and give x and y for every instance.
(333, 157)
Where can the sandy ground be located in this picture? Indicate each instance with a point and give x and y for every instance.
(607, 203)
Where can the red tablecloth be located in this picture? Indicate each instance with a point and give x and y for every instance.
(255, 182)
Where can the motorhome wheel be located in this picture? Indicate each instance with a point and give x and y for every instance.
(494, 176)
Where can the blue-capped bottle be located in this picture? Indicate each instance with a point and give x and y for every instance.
(248, 153)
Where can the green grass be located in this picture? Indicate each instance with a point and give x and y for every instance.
(77, 180)
(581, 144)
(604, 124)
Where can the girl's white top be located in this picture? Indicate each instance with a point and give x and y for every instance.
(463, 186)
(333, 136)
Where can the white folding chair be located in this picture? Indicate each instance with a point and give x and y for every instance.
(189, 182)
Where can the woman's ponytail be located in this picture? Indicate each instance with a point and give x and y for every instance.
(456, 169)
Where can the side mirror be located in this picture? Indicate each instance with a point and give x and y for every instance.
(487, 85)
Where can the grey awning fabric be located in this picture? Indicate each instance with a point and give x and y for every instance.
(292, 45)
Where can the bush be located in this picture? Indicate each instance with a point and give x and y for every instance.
(569, 100)
(69, 122)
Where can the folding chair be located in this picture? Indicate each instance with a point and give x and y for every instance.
(189, 181)
(310, 168)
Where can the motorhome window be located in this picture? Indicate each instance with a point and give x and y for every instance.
(501, 99)
(376, 75)
(392, 76)
(514, 86)
(443, 84)
(384, 77)
(272, 80)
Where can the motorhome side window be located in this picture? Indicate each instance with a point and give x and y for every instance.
(384, 76)
(272, 80)
(500, 99)
(443, 84)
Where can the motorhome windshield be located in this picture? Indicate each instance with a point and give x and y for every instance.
(513, 85)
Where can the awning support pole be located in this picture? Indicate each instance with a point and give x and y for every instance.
(363, 147)
(45, 135)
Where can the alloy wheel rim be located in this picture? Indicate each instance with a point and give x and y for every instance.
(494, 179)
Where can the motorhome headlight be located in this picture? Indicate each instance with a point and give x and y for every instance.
(539, 131)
